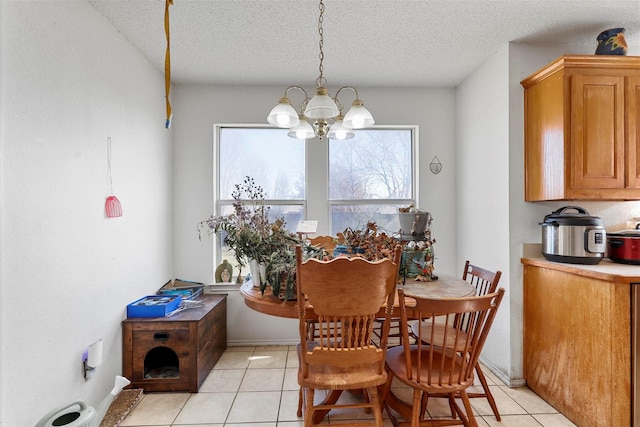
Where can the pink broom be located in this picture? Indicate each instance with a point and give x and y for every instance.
(112, 206)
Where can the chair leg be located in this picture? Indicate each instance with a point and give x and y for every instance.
(467, 408)
(417, 408)
(308, 408)
(452, 406)
(299, 413)
(487, 392)
(374, 399)
(424, 400)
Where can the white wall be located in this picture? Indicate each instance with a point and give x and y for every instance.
(69, 81)
(1, 216)
(482, 158)
(196, 109)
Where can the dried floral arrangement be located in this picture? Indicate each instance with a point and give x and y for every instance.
(371, 244)
(250, 233)
(246, 231)
(368, 242)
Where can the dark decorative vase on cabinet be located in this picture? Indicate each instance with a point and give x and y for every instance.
(611, 42)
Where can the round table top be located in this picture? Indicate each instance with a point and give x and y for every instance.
(268, 303)
(444, 287)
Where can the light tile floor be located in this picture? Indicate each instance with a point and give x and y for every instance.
(257, 387)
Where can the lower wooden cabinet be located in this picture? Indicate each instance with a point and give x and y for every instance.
(175, 353)
(577, 344)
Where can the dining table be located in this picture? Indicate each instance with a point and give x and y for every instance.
(444, 286)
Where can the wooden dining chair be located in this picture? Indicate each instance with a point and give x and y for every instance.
(439, 366)
(342, 297)
(485, 282)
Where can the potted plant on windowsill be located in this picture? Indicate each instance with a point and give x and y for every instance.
(253, 237)
(245, 231)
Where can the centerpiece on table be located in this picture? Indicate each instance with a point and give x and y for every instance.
(417, 254)
(367, 242)
(255, 239)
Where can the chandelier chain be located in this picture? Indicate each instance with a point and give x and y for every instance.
(321, 80)
(320, 115)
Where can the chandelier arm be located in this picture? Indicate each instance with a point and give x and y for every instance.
(347, 87)
(304, 102)
(338, 104)
(337, 101)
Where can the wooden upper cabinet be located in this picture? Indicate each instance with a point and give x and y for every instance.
(581, 142)
(633, 133)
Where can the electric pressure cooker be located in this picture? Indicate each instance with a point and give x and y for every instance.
(571, 235)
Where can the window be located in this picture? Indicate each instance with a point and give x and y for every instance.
(274, 160)
(370, 176)
(366, 178)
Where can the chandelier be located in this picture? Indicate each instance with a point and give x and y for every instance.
(324, 111)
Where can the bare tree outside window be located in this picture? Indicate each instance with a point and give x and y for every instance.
(268, 155)
(370, 176)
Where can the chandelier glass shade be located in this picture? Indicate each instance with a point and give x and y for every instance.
(283, 115)
(303, 130)
(324, 111)
(339, 131)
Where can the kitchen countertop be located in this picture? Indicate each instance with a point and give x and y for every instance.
(605, 270)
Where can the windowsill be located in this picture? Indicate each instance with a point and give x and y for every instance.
(222, 287)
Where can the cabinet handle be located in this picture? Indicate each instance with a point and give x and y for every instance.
(161, 336)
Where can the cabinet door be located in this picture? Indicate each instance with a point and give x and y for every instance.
(633, 135)
(577, 345)
(544, 140)
(597, 132)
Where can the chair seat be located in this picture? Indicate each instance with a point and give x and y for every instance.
(441, 381)
(439, 331)
(324, 377)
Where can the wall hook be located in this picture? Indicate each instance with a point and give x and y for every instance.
(435, 165)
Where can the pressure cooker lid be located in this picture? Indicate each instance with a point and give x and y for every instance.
(572, 215)
(634, 232)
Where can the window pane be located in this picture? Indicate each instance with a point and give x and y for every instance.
(292, 214)
(375, 164)
(357, 217)
(274, 160)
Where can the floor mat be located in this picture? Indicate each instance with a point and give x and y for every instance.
(121, 406)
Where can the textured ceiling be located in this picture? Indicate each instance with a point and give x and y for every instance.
(366, 43)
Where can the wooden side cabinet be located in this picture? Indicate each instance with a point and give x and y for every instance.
(175, 353)
(578, 347)
(581, 138)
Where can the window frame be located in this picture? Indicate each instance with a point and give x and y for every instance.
(219, 203)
